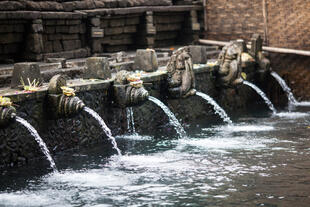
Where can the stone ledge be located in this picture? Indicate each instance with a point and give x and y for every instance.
(81, 85)
(135, 10)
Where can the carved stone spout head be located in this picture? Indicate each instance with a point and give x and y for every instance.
(181, 77)
(62, 101)
(129, 90)
(233, 57)
(7, 115)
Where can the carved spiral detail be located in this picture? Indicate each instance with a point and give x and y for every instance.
(7, 115)
(68, 106)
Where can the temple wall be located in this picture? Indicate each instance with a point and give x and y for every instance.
(285, 25)
(17, 146)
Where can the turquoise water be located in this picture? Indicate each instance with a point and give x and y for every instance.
(253, 162)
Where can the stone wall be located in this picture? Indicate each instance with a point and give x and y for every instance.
(12, 39)
(17, 146)
(61, 35)
(120, 32)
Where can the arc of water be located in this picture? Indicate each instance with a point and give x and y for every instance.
(172, 119)
(130, 121)
(263, 95)
(218, 110)
(39, 140)
(288, 91)
(104, 127)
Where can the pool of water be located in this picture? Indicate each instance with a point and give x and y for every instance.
(253, 162)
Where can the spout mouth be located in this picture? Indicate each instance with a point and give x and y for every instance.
(13, 116)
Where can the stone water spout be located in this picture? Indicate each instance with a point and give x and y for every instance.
(181, 77)
(7, 112)
(129, 90)
(62, 101)
(232, 59)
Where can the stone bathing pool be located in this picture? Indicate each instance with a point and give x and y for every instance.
(253, 162)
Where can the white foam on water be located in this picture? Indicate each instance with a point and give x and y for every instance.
(292, 115)
(26, 199)
(95, 178)
(134, 137)
(303, 103)
(228, 143)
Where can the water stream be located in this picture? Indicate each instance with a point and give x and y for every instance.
(257, 161)
(263, 95)
(218, 110)
(39, 140)
(172, 119)
(288, 91)
(104, 127)
(130, 121)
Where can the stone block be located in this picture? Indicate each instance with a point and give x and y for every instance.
(71, 44)
(49, 29)
(62, 61)
(74, 29)
(150, 29)
(62, 29)
(97, 32)
(114, 30)
(36, 28)
(48, 47)
(97, 67)
(8, 38)
(25, 71)
(132, 20)
(130, 29)
(198, 53)
(117, 22)
(96, 46)
(95, 22)
(57, 47)
(146, 60)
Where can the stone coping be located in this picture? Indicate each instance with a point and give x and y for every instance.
(80, 14)
(135, 10)
(81, 85)
(30, 15)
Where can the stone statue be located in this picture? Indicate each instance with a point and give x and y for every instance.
(181, 77)
(257, 52)
(230, 64)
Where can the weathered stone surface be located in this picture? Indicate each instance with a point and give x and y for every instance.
(146, 60)
(25, 71)
(97, 67)
(62, 61)
(198, 54)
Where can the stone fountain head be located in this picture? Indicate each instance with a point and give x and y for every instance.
(7, 112)
(256, 51)
(62, 101)
(181, 77)
(129, 90)
(232, 59)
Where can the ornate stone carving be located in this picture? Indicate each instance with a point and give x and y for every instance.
(181, 77)
(231, 61)
(257, 52)
(62, 101)
(129, 90)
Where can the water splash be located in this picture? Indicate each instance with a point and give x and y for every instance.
(263, 95)
(218, 110)
(172, 119)
(104, 127)
(130, 121)
(39, 140)
(288, 91)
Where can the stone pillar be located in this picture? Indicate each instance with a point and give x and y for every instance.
(190, 33)
(98, 68)
(146, 60)
(256, 45)
(26, 72)
(34, 41)
(96, 34)
(150, 29)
